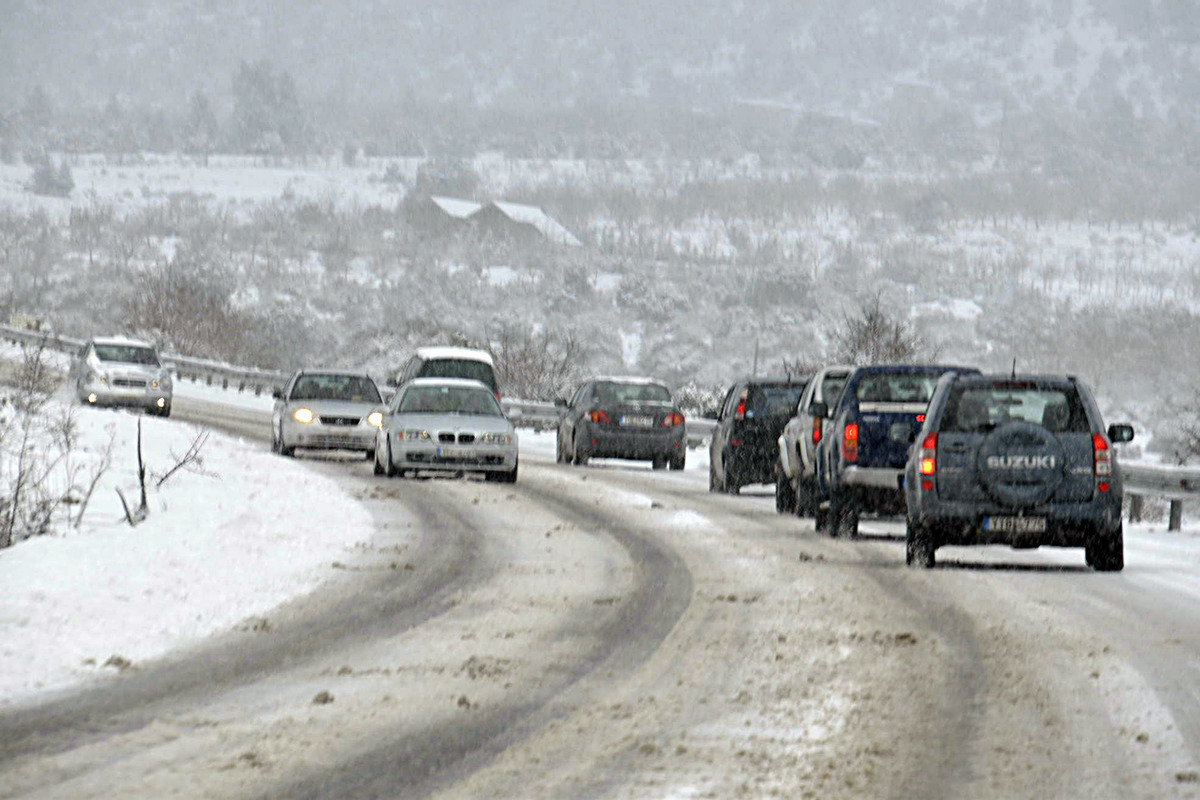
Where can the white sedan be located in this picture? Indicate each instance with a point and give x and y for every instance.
(446, 425)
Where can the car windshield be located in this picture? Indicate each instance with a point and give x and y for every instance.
(613, 393)
(971, 409)
(774, 400)
(897, 387)
(449, 400)
(348, 388)
(127, 354)
(460, 368)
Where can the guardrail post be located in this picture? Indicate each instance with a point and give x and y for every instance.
(1176, 519)
(1136, 506)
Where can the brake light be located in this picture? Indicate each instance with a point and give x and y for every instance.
(600, 417)
(1101, 460)
(816, 434)
(740, 412)
(850, 442)
(672, 419)
(920, 419)
(927, 456)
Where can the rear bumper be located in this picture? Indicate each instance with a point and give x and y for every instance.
(874, 478)
(752, 464)
(1067, 524)
(610, 442)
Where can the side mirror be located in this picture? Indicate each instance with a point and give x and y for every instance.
(1118, 434)
(818, 408)
(560, 402)
(277, 394)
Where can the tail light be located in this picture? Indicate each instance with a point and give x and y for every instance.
(740, 412)
(850, 442)
(672, 419)
(1101, 461)
(816, 433)
(927, 461)
(600, 417)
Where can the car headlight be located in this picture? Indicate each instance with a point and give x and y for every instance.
(304, 415)
(96, 377)
(414, 435)
(375, 419)
(496, 438)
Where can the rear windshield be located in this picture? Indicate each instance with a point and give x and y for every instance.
(460, 368)
(897, 387)
(351, 388)
(980, 408)
(127, 354)
(610, 392)
(777, 400)
(449, 400)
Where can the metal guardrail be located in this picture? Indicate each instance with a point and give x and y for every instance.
(212, 373)
(1149, 480)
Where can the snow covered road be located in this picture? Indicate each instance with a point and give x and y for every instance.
(612, 631)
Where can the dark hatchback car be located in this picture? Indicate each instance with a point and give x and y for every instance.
(744, 447)
(632, 418)
(1019, 460)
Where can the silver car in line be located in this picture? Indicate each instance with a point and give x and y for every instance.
(118, 371)
(326, 409)
(447, 425)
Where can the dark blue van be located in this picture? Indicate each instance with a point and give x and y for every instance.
(860, 462)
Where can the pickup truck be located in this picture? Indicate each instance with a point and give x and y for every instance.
(869, 430)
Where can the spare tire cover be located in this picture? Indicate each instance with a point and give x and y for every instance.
(1021, 464)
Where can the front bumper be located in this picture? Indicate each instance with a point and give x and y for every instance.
(139, 395)
(454, 457)
(317, 436)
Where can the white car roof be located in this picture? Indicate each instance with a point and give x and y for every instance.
(121, 340)
(462, 353)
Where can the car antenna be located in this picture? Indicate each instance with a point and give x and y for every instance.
(1014, 372)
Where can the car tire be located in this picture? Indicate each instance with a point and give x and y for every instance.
(713, 486)
(843, 515)
(165, 411)
(560, 452)
(806, 493)
(821, 519)
(785, 495)
(369, 455)
(678, 462)
(389, 469)
(658, 462)
(580, 458)
(918, 546)
(378, 468)
(511, 475)
(1106, 551)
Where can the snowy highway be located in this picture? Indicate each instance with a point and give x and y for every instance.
(616, 632)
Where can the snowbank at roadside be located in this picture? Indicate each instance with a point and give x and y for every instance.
(244, 534)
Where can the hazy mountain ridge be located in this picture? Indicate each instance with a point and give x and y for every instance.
(842, 57)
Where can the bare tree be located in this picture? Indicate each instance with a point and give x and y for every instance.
(535, 365)
(875, 336)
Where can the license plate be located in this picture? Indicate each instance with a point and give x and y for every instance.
(1015, 524)
(455, 453)
(637, 422)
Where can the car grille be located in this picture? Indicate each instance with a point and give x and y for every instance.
(129, 383)
(339, 420)
(448, 437)
(334, 441)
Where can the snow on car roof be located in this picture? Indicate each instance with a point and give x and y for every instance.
(121, 340)
(460, 382)
(635, 379)
(462, 353)
(333, 371)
